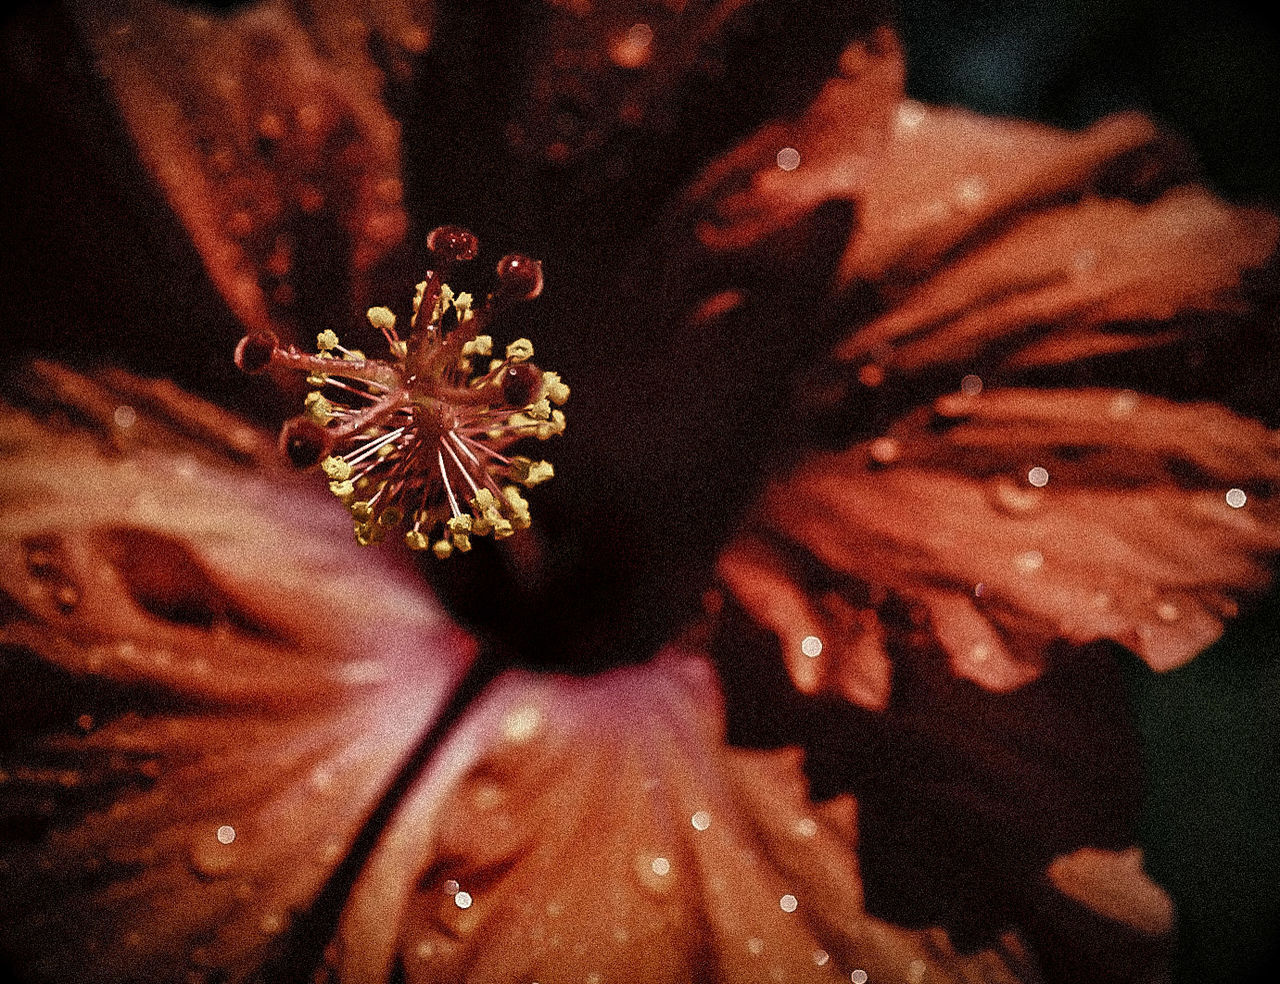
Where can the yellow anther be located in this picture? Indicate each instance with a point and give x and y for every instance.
(415, 540)
(540, 410)
(538, 472)
(442, 548)
(462, 304)
(316, 379)
(519, 507)
(502, 528)
(327, 340)
(484, 500)
(495, 364)
(521, 422)
(552, 427)
(462, 542)
(384, 319)
(459, 524)
(336, 468)
(353, 355)
(442, 302)
(361, 511)
(480, 345)
(557, 392)
(418, 290)
(521, 350)
(368, 533)
(400, 349)
(343, 490)
(318, 408)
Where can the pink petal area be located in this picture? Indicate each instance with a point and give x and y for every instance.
(1135, 541)
(225, 684)
(600, 829)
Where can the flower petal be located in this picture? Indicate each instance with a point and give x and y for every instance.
(207, 689)
(560, 839)
(1018, 517)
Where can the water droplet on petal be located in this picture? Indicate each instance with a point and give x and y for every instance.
(1084, 260)
(910, 115)
(1168, 612)
(971, 191)
(125, 416)
(788, 903)
(701, 820)
(971, 385)
(634, 48)
(462, 900)
(805, 827)
(226, 834)
(885, 450)
(1236, 498)
(654, 872)
(858, 977)
(521, 724)
(1029, 561)
(811, 646)
(820, 958)
(1122, 405)
(788, 158)
(487, 796)
(321, 778)
(1039, 477)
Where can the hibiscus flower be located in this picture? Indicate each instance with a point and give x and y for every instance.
(911, 428)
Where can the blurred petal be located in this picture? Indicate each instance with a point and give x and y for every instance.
(267, 131)
(206, 687)
(1108, 275)
(945, 176)
(1113, 884)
